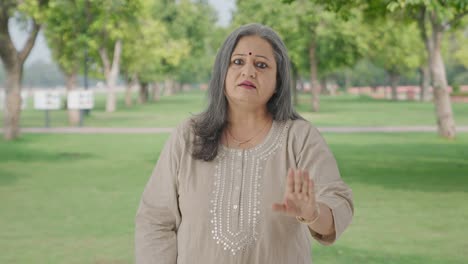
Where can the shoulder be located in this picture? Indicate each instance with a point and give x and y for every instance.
(182, 133)
(304, 135)
(184, 128)
(302, 129)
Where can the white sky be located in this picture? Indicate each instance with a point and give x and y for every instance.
(42, 52)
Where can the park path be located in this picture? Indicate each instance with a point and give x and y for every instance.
(155, 130)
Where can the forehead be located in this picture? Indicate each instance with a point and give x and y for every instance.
(254, 44)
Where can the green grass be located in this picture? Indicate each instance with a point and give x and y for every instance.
(347, 110)
(72, 198)
(410, 192)
(343, 110)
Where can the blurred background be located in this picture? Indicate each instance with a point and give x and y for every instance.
(89, 91)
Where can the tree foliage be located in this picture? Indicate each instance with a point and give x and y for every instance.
(65, 31)
(396, 47)
(149, 46)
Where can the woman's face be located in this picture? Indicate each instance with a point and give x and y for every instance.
(251, 76)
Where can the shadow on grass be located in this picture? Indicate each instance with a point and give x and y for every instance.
(7, 177)
(407, 166)
(18, 153)
(341, 254)
(10, 153)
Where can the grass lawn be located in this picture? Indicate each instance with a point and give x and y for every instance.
(344, 110)
(72, 198)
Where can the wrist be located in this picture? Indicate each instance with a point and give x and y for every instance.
(315, 216)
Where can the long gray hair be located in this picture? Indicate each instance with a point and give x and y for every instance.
(208, 126)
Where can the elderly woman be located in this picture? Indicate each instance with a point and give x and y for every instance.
(247, 180)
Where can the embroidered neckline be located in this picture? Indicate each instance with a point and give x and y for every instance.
(236, 196)
(275, 125)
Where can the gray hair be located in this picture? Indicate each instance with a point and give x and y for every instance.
(208, 126)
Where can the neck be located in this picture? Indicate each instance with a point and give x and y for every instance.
(247, 128)
(240, 119)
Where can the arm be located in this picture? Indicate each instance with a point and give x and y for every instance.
(323, 222)
(333, 196)
(158, 215)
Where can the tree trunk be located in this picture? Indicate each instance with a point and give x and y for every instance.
(156, 92)
(128, 95)
(131, 83)
(315, 86)
(177, 87)
(144, 93)
(347, 79)
(394, 80)
(12, 110)
(13, 61)
(428, 43)
(333, 87)
(323, 86)
(424, 82)
(111, 72)
(168, 86)
(443, 105)
(73, 114)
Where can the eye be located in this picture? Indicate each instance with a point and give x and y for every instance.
(261, 65)
(238, 61)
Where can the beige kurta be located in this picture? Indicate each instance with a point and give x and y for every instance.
(193, 211)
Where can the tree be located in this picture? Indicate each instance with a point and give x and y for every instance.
(30, 12)
(149, 50)
(365, 73)
(435, 18)
(42, 74)
(65, 30)
(109, 23)
(461, 51)
(395, 47)
(195, 21)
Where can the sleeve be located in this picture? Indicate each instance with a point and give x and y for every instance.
(315, 156)
(158, 215)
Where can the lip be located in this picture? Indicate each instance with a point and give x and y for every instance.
(248, 85)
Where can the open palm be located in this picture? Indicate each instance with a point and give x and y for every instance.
(299, 197)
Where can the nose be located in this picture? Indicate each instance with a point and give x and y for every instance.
(249, 69)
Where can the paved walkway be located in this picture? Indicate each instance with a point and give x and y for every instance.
(154, 130)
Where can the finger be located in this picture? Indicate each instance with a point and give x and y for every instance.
(277, 207)
(298, 183)
(290, 181)
(305, 185)
(311, 189)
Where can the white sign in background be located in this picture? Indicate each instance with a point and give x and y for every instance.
(82, 99)
(47, 100)
(24, 100)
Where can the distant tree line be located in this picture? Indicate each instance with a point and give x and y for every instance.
(40, 74)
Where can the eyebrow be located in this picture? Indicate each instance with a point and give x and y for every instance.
(241, 54)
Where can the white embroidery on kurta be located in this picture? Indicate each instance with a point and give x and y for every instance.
(236, 194)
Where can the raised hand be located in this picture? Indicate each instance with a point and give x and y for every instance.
(299, 197)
